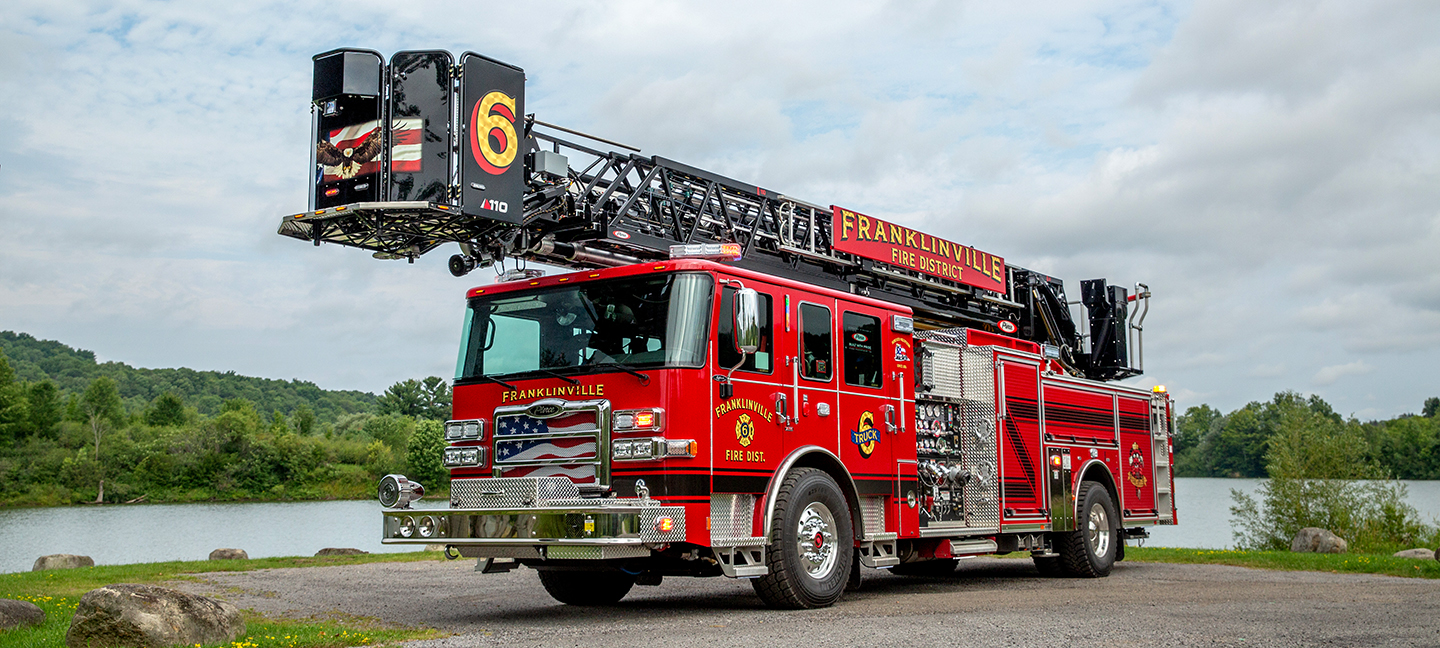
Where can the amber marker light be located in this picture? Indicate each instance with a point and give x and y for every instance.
(665, 524)
(1158, 389)
(1055, 461)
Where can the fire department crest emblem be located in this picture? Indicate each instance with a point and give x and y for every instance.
(1136, 474)
(744, 430)
(866, 437)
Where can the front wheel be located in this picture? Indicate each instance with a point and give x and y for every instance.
(586, 587)
(1090, 551)
(811, 545)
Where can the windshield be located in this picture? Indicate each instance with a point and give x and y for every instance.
(639, 322)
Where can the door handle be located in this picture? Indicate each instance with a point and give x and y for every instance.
(890, 420)
(782, 409)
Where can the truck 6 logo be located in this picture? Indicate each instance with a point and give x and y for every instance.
(744, 431)
(866, 437)
(494, 118)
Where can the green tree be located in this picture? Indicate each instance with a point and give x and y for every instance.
(424, 457)
(1432, 407)
(428, 399)
(45, 408)
(14, 415)
(103, 407)
(168, 409)
(304, 420)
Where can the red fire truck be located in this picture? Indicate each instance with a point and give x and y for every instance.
(729, 381)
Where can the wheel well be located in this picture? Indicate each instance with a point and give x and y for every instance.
(1098, 472)
(820, 459)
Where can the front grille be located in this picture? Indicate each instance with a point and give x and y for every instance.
(510, 493)
(554, 438)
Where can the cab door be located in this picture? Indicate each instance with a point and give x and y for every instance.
(747, 429)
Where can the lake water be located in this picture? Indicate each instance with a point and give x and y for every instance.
(159, 532)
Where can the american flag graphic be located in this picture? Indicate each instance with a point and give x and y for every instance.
(521, 424)
(582, 474)
(527, 450)
(405, 147)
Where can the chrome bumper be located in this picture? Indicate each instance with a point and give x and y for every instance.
(536, 517)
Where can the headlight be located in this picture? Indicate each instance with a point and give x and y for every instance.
(464, 456)
(465, 429)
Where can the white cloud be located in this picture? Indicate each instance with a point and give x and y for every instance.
(1267, 167)
(1330, 375)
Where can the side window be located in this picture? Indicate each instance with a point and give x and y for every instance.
(862, 349)
(815, 354)
(760, 361)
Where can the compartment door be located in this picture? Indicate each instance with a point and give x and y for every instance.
(1022, 496)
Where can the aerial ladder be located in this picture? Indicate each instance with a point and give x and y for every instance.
(423, 151)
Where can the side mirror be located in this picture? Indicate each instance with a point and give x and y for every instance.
(747, 321)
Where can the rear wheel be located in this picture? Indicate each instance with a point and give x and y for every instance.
(1090, 551)
(811, 545)
(586, 587)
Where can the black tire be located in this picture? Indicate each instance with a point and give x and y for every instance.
(1048, 565)
(1089, 552)
(927, 568)
(811, 579)
(586, 587)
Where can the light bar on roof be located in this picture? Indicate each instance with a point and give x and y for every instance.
(712, 251)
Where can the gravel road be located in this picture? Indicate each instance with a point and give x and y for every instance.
(987, 602)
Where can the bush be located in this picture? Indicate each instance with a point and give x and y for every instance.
(425, 455)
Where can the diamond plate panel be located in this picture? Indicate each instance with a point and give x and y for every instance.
(510, 492)
(977, 414)
(648, 532)
(564, 552)
(941, 365)
(732, 519)
(872, 511)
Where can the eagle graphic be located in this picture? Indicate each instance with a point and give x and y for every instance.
(347, 162)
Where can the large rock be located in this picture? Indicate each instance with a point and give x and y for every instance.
(62, 561)
(335, 551)
(229, 554)
(15, 613)
(146, 615)
(1313, 540)
(1421, 553)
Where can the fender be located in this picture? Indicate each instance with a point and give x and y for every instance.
(847, 485)
(1095, 466)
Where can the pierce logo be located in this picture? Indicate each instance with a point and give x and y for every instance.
(493, 122)
(866, 437)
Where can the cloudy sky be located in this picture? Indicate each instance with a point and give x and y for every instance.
(1271, 169)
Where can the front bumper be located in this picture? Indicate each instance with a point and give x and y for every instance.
(537, 518)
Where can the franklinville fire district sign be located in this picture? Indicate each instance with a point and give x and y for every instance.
(887, 242)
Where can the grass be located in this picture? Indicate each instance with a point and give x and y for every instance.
(58, 592)
(1346, 563)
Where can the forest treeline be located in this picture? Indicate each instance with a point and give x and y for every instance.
(1209, 443)
(69, 425)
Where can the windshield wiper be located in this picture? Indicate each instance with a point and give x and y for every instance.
(497, 380)
(559, 375)
(644, 379)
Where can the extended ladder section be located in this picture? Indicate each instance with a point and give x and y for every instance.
(422, 152)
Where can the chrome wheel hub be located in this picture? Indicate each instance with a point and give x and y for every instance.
(815, 540)
(1097, 530)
